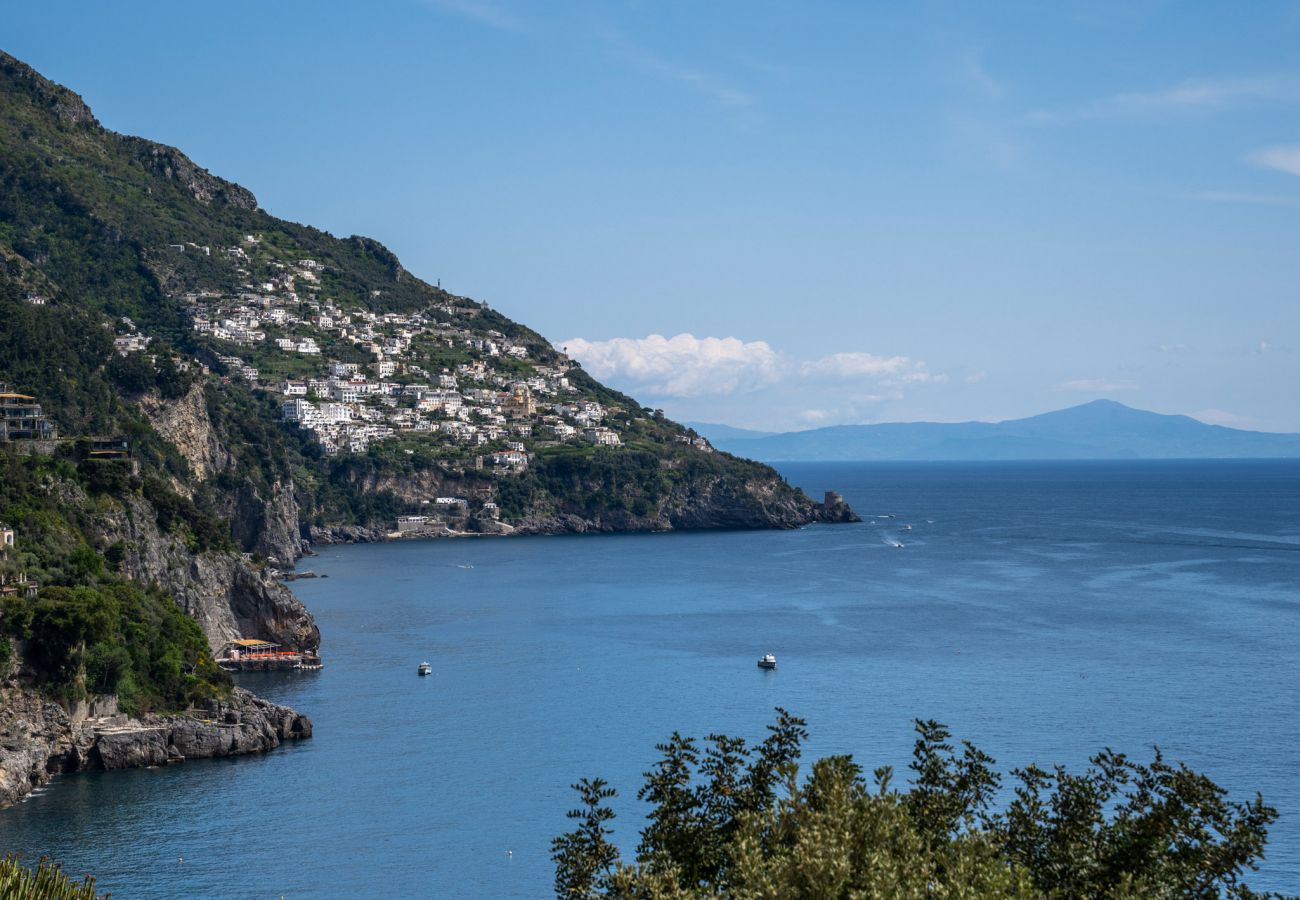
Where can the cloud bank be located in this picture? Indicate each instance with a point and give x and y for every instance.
(681, 366)
(690, 366)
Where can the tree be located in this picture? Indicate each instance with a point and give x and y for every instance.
(728, 820)
(584, 856)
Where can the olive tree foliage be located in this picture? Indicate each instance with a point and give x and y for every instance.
(731, 820)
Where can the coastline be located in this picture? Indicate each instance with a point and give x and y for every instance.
(40, 739)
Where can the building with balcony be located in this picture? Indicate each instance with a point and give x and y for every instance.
(21, 418)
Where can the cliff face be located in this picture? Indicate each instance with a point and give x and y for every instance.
(707, 501)
(224, 592)
(186, 424)
(263, 521)
(40, 739)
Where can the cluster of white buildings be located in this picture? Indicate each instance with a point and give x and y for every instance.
(488, 401)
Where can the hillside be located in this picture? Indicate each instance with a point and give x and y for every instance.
(369, 391)
(1102, 429)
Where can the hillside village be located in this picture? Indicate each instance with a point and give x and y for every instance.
(354, 376)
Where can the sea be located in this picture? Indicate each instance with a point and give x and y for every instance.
(1043, 611)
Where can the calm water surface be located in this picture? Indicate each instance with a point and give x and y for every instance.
(1041, 610)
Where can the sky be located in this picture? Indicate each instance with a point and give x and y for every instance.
(776, 215)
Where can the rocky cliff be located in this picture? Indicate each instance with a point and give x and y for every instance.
(224, 592)
(710, 503)
(185, 423)
(40, 739)
(264, 520)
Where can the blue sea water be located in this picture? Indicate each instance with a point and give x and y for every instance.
(1042, 611)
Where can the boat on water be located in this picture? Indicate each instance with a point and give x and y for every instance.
(425, 669)
(767, 661)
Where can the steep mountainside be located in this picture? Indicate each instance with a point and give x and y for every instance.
(345, 391)
(1102, 429)
(191, 389)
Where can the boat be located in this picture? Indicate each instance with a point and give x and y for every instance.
(767, 661)
(425, 669)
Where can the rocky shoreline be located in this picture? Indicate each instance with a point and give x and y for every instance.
(40, 739)
(719, 515)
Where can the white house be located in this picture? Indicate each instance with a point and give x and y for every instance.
(336, 412)
(301, 411)
(511, 458)
(603, 437)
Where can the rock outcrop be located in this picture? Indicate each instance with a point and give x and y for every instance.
(348, 534)
(39, 739)
(264, 525)
(267, 526)
(225, 593)
(834, 508)
(713, 504)
(186, 424)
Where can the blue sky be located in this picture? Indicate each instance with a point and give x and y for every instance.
(776, 215)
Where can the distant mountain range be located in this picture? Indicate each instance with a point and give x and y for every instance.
(1102, 429)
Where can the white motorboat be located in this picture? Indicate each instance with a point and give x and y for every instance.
(426, 669)
(767, 661)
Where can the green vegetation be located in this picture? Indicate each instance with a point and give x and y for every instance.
(89, 630)
(729, 820)
(106, 227)
(46, 882)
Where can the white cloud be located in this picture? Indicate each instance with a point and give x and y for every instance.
(976, 377)
(690, 366)
(1282, 158)
(815, 416)
(681, 366)
(1095, 385)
